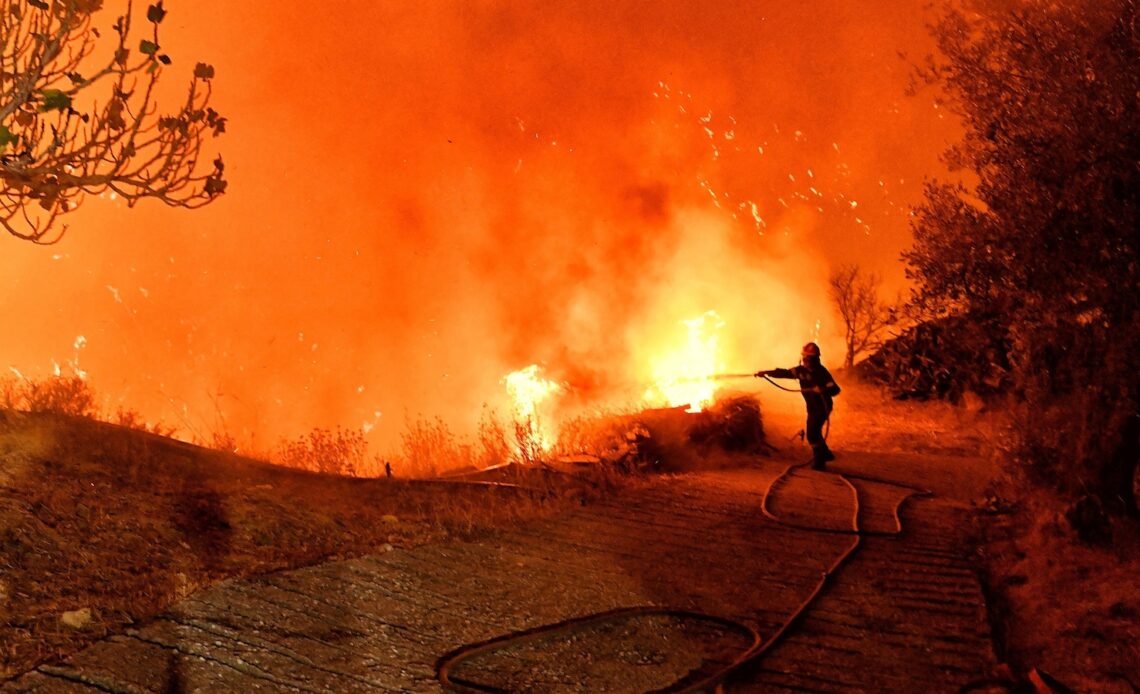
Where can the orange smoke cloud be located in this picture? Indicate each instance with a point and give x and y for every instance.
(425, 197)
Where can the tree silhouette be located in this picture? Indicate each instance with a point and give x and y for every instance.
(856, 296)
(73, 124)
(1044, 236)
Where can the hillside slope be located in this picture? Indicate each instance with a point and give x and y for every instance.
(102, 526)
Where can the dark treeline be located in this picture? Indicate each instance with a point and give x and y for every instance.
(1039, 245)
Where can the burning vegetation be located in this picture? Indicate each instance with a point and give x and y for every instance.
(565, 263)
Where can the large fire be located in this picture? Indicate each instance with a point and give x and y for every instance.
(465, 221)
(528, 391)
(683, 374)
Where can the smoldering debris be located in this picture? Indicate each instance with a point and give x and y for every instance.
(669, 439)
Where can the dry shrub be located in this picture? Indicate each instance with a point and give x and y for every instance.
(223, 441)
(528, 441)
(492, 447)
(339, 452)
(67, 395)
(603, 436)
(132, 419)
(429, 447)
(10, 394)
(732, 424)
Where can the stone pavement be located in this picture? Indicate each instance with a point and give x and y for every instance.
(904, 614)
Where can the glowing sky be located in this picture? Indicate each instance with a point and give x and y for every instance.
(426, 195)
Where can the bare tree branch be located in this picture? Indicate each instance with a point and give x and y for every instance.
(65, 134)
(856, 296)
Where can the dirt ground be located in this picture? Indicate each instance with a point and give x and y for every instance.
(665, 560)
(1057, 604)
(101, 529)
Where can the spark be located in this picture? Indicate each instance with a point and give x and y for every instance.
(757, 217)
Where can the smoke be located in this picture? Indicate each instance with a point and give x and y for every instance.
(427, 196)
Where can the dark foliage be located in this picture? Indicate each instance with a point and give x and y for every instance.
(732, 424)
(1044, 238)
(79, 117)
(672, 439)
(942, 359)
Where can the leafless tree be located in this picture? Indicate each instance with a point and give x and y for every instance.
(856, 295)
(73, 124)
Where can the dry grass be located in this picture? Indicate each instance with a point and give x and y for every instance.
(336, 452)
(125, 522)
(1060, 603)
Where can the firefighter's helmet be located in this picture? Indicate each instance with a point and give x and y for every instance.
(811, 349)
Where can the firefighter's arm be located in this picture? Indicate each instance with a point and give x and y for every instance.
(776, 373)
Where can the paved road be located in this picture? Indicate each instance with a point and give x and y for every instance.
(904, 614)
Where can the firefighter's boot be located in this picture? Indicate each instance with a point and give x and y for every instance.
(821, 456)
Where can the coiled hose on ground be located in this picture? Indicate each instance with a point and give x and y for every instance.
(748, 658)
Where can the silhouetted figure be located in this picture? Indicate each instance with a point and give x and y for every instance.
(387, 469)
(818, 388)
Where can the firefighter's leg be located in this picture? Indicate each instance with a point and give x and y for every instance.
(820, 453)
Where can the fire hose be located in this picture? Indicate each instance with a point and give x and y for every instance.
(749, 658)
(760, 647)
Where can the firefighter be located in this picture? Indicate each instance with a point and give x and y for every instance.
(818, 388)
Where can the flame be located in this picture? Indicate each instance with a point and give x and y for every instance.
(528, 390)
(683, 376)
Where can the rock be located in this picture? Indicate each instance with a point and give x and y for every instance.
(77, 619)
(386, 547)
(389, 518)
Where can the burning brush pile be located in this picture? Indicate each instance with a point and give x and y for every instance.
(663, 439)
(686, 423)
